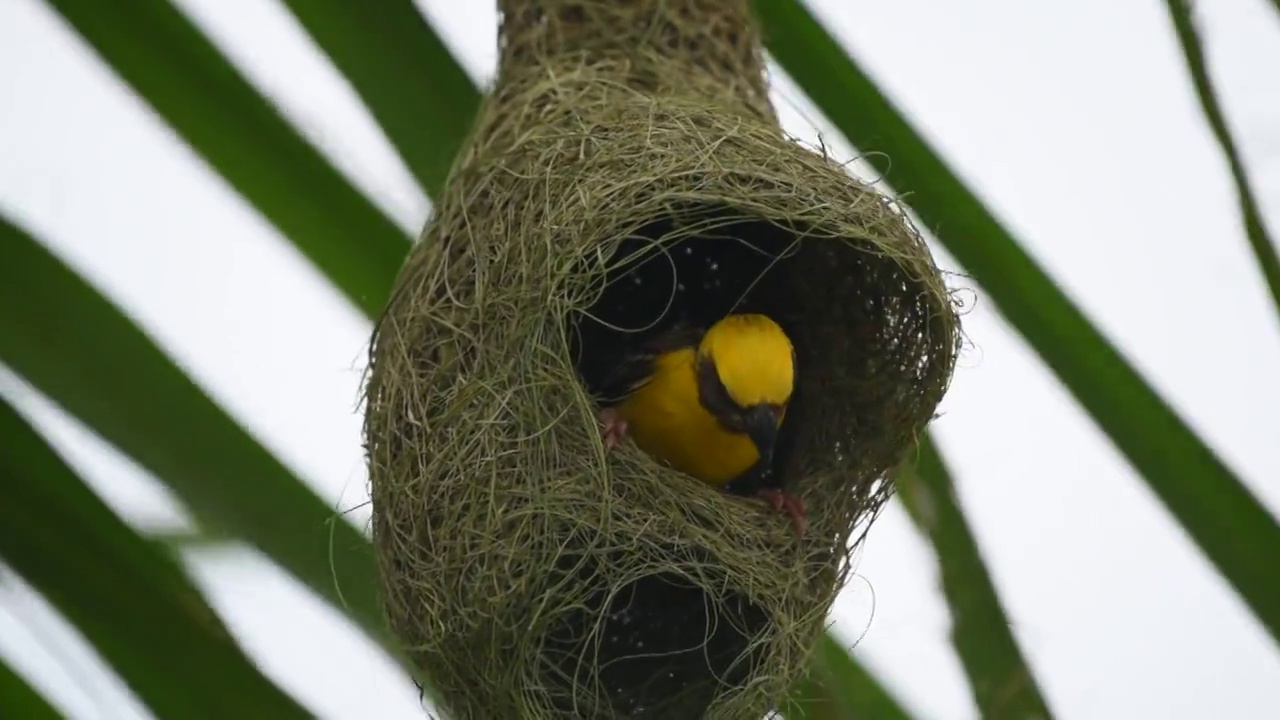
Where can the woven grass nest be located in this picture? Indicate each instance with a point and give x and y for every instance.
(626, 172)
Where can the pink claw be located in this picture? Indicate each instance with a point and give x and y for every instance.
(615, 428)
(791, 505)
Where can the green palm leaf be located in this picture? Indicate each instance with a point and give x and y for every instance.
(838, 688)
(999, 677)
(383, 48)
(166, 59)
(77, 348)
(1264, 249)
(166, 642)
(22, 700)
(1206, 497)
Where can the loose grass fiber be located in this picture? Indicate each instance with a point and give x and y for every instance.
(627, 171)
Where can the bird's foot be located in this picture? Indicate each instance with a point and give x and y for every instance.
(615, 428)
(782, 501)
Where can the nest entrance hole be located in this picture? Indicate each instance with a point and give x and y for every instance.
(691, 267)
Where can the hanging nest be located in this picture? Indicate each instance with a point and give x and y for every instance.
(627, 172)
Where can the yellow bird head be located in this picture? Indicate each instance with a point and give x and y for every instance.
(746, 374)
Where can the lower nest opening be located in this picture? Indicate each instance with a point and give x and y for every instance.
(659, 646)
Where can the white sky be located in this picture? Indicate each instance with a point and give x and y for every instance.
(1074, 120)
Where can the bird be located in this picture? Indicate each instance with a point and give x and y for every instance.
(710, 403)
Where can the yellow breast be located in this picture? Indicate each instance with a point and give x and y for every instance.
(666, 420)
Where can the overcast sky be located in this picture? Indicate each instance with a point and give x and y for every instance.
(1074, 121)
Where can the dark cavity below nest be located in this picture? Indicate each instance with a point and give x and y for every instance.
(665, 647)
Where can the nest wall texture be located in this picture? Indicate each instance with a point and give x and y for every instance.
(627, 168)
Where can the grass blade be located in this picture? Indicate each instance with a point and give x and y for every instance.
(77, 348)
(134, 604)
(1264, 249)
(1001, 681)
(1221, 515)
(403, 72)
(838, 688)
(197, 91)
(20, 700)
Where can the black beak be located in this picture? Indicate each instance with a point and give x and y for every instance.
(762, 428)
